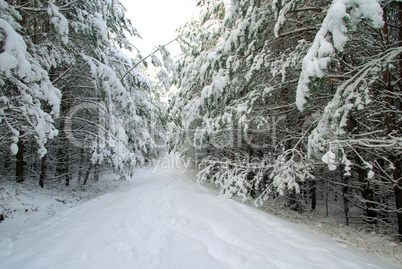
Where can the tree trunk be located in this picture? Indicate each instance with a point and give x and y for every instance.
(64, 145)
(68, 176)
(326, 204)
(345, 196)
(87, 175)
(391, 126)
(62, 161)
(43, 169)
(398, 162)
(6, 162)
(96, 172)
(81, 165)
(313, 192)
(19, 169)
(368, 197)
(366, 192)
(398, 194)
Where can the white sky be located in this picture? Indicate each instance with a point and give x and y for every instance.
(157, 20)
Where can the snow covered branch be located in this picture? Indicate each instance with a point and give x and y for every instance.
(334, 35)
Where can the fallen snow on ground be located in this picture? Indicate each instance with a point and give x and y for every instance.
(26, 204)
(165, 220)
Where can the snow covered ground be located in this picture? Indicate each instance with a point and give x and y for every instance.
(164, 220)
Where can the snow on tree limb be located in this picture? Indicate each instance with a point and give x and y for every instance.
(32, 85)
(59, 22)
(331, 36)
(353, 94)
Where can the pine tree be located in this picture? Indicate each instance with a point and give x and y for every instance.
(238, 85)
(278, 90)
(61, 78)
(359, 130)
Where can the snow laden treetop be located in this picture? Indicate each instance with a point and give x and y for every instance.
(67, 54)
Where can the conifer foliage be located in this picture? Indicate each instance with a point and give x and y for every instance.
(295, 97)
(61, 70)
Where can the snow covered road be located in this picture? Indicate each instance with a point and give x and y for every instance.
(164, 220)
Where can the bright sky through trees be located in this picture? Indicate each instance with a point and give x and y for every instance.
(157, 20)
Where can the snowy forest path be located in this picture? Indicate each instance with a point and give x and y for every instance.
(163, 219)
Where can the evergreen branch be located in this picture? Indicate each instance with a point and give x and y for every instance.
(298, 31)
(44, 9)
(143, 59)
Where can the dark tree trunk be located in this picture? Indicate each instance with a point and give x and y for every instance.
(68, 176)
(87, 174)
(43, 169)
(64, 145)
(397, 160)
(326, 204)
(366, 192)
(398, 194)
(81, 165)
(345, 188)
(397, 171)
(7, 162)
(96, 172)
(62, 162)
(313, 192)
(368, 197)
(19, 169)
(390, 121)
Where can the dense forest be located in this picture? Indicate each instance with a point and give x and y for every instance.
(296, 98)
(68, 105)
(289, 103)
